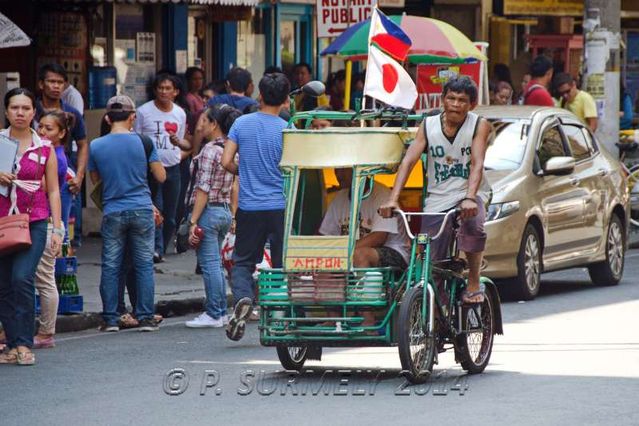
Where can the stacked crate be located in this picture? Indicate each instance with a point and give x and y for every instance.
(66, 269)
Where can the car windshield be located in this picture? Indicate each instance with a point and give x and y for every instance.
(506, 144)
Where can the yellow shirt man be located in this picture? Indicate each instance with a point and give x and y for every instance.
(583, 106)
(576, 101)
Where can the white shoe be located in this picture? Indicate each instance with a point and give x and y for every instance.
(205, 321)
(225, 319)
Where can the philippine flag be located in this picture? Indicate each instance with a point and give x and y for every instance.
(388, 36)
(388, 81)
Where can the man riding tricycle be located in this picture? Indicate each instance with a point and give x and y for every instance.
(369, 273)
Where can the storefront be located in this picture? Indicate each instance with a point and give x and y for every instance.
(521, 29)
(117, 46)
(630, 56)
(277, 34)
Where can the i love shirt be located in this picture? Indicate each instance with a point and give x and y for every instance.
(159, 126)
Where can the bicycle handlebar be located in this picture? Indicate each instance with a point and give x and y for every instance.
(447, 216)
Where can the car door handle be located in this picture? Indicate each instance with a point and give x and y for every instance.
(603, 172)
(574, 181)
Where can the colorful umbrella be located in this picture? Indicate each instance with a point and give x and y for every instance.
(434, 41)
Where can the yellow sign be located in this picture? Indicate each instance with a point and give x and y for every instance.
(544, 7)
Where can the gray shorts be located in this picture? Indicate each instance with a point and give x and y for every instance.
(471, 237)
(390, 257)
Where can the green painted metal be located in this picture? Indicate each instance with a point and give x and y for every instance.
(291, 181)
(386, 115)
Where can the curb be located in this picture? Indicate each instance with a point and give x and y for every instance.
(166, 308)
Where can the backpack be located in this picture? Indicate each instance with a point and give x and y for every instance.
(532, 89)
(148, 148)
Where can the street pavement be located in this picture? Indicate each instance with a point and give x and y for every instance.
(569, 357)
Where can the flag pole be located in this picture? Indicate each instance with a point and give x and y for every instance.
(347, 83)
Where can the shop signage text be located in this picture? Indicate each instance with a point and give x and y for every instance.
(544, 7)
(335, 16)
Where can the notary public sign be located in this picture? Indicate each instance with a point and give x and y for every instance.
(335, 16)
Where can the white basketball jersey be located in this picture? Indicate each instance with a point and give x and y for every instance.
(448, 167)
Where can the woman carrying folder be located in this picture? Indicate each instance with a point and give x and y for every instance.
(35, 160)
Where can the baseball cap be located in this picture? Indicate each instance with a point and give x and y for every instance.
(120, 103)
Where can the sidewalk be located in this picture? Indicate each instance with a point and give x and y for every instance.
(178, 291)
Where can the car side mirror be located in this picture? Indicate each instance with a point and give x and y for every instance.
(559, 166)
(314, 88)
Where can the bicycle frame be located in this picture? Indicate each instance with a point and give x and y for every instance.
(424, 267)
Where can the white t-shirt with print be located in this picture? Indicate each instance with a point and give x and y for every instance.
(338, 216)
(158, 125)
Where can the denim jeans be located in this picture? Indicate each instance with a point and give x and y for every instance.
(66, 202)
(127, 280)
(166, 200)
(17, 288)
(76, 204)
(137, 227)
(253, 229)
(215, 222)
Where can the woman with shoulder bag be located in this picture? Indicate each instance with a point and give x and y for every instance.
(35, 161)
(211, 212)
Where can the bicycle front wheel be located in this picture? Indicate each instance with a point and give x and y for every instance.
(474, 345)
(416, 347)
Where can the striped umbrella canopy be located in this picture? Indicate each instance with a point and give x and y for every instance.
(434, 42)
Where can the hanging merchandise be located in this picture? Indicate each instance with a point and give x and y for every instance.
(62, 39)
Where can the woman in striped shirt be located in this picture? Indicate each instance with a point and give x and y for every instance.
(210, 200)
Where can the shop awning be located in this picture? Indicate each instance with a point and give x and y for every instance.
(200, 2)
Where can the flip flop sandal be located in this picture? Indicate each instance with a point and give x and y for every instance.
(466, 295)
(10, 357)
(127, 321)
(26, 358)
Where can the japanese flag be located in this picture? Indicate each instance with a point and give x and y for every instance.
(388, 81)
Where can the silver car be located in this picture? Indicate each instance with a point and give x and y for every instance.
(559, 199)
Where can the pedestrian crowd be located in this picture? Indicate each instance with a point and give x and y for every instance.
(200, 158)
(545, 84)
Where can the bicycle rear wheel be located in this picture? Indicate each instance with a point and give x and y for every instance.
(474, 345)
(416, 348)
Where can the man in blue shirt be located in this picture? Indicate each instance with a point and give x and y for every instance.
(257, 137)
(238, 83)
(51, 82)
(120, 161)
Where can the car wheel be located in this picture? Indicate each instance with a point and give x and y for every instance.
(610, 271)
(525, 286)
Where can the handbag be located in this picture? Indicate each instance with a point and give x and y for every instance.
(15, 234)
